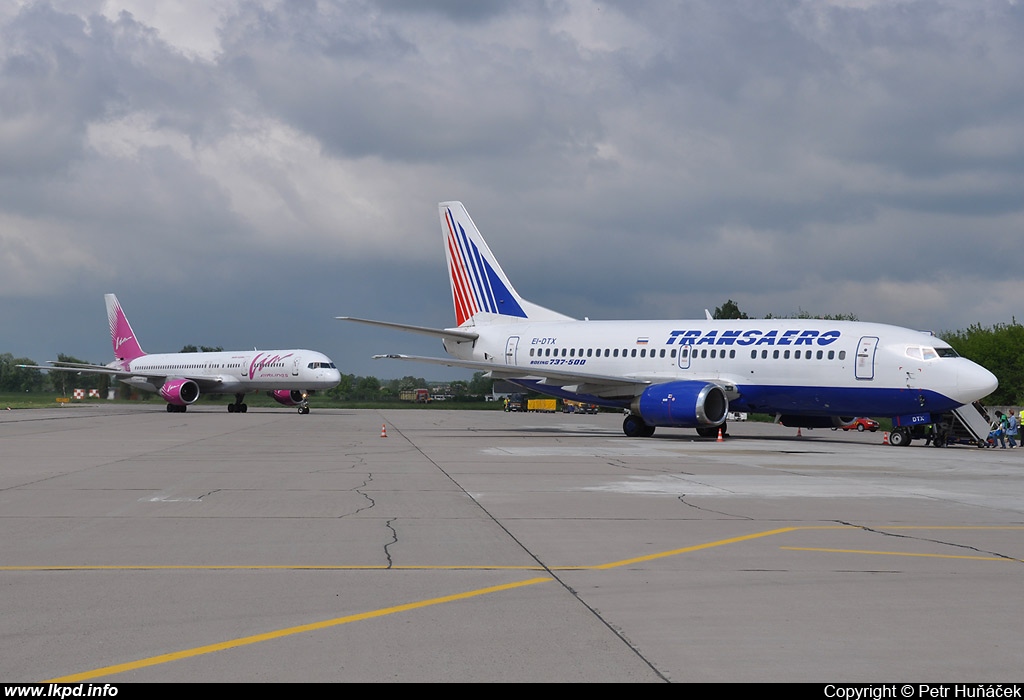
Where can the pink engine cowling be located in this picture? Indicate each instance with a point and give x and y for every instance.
(289, 397)
(180, 392)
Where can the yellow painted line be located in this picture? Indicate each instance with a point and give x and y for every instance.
(901, 554)
(358, 567)
(269, 567)
(694, 548)
(488, 567)
(267, 636)
(828, 527)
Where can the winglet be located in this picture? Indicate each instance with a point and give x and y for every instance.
(122, 337)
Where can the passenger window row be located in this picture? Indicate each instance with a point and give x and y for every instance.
(686, 352)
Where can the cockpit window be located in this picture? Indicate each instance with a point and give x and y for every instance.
(918, 352)
(321, 365)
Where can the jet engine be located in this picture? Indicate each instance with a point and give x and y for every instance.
(682, 405)
(289, 397)
(180, 392)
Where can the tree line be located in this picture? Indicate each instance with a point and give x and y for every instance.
(999, 348)
(355, 388)
(14, 379)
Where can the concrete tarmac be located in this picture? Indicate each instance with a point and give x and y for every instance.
(483, 546)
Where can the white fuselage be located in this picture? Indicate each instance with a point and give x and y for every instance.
(781, 365)
(240, 371)
(690, 373)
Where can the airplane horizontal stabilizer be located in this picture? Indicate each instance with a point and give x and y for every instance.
(456, 335)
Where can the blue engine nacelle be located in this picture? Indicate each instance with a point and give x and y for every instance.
(682, 405)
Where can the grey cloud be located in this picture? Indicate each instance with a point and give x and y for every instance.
(364, 85)
(625, 159)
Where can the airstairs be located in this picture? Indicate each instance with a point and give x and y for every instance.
(967, 425)
(971, 424)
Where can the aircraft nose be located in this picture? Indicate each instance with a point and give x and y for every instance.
(975, 382)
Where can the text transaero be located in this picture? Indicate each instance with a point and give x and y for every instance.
(753, 336)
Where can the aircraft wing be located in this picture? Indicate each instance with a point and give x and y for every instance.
(585, 382)
(205, 382)
(81, 367)
(451, 333)
(549, 376)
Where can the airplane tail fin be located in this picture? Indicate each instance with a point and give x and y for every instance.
(122, 337)
(480, 290)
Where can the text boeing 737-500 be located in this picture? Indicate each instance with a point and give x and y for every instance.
(808, 373)
(180, 377)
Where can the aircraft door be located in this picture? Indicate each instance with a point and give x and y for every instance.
(866, 348)
(684, 356)
(511, 348)
(296, 366)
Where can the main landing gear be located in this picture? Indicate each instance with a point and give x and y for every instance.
(238, 406)
(634, 426)
(175, 408)
(281, 397)
(712, 431)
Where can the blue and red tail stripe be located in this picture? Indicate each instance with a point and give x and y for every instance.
(475, 284)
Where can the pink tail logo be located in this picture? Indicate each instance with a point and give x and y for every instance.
(122, 337)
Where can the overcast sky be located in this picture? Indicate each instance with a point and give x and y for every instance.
(240, 172)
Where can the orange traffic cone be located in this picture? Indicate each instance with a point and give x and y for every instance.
(798, 433)
(720, 439)
(383, 430)
(885, 438)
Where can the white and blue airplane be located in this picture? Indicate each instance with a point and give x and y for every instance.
(691, 374)
(179, 377)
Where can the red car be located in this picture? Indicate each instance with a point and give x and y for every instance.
(861, 424)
